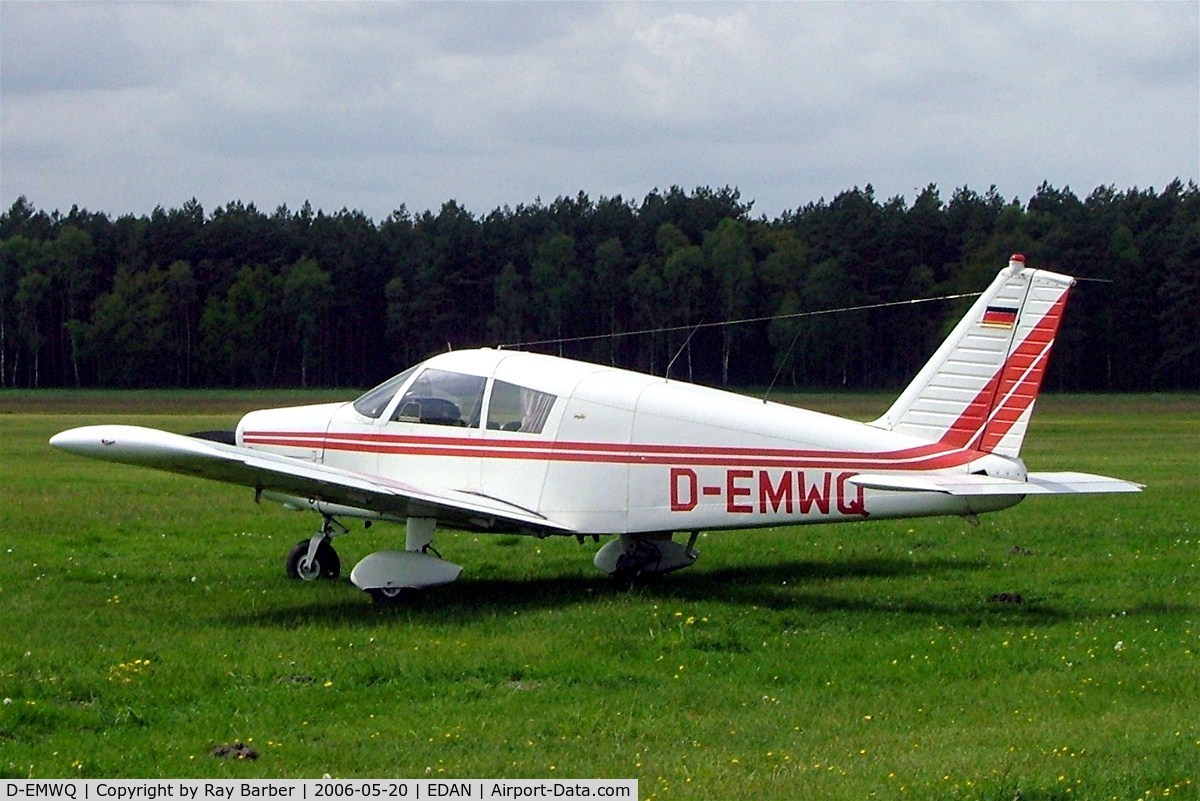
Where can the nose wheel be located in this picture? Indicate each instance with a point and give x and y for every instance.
(315, 558)
(325, 564)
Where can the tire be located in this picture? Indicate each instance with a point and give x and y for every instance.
(393, 596)
(326, 564)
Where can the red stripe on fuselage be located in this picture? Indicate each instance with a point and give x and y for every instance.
(923, 457)
(317, 439)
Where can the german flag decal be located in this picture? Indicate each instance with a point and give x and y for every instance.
(999, 317)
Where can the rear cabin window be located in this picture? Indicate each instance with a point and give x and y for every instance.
(515, 408)
(442, 398)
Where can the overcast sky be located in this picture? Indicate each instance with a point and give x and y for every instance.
(121, 107)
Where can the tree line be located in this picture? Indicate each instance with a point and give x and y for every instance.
(243, 298)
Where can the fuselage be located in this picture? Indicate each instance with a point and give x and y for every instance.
(602, 450)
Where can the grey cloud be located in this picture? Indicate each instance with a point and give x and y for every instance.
(373, 105)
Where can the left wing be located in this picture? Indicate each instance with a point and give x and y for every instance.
(968, 485)
(175, 453)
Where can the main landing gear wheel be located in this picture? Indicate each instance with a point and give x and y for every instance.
(639, 563)
(642, 556)
(393, 596)
(325, 565)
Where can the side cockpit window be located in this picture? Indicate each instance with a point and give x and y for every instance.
(442, 398)
(515, 408)
(376, 400)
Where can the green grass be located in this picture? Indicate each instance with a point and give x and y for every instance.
(146, 619)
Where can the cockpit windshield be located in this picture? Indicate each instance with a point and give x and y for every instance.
(442, 398)
(376, 400)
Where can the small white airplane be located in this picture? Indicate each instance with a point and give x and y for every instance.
(506, 441)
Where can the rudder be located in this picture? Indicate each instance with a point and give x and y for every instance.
(978, 389)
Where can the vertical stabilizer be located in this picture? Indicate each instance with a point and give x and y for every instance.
(978, 389)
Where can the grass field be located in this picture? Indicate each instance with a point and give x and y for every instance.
(146, 619)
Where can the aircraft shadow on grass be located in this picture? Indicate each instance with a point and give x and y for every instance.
(786, 586)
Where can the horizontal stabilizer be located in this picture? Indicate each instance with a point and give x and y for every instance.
(969, 485)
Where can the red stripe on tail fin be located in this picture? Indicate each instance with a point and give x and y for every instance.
(1021, 379)
(978, 389)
